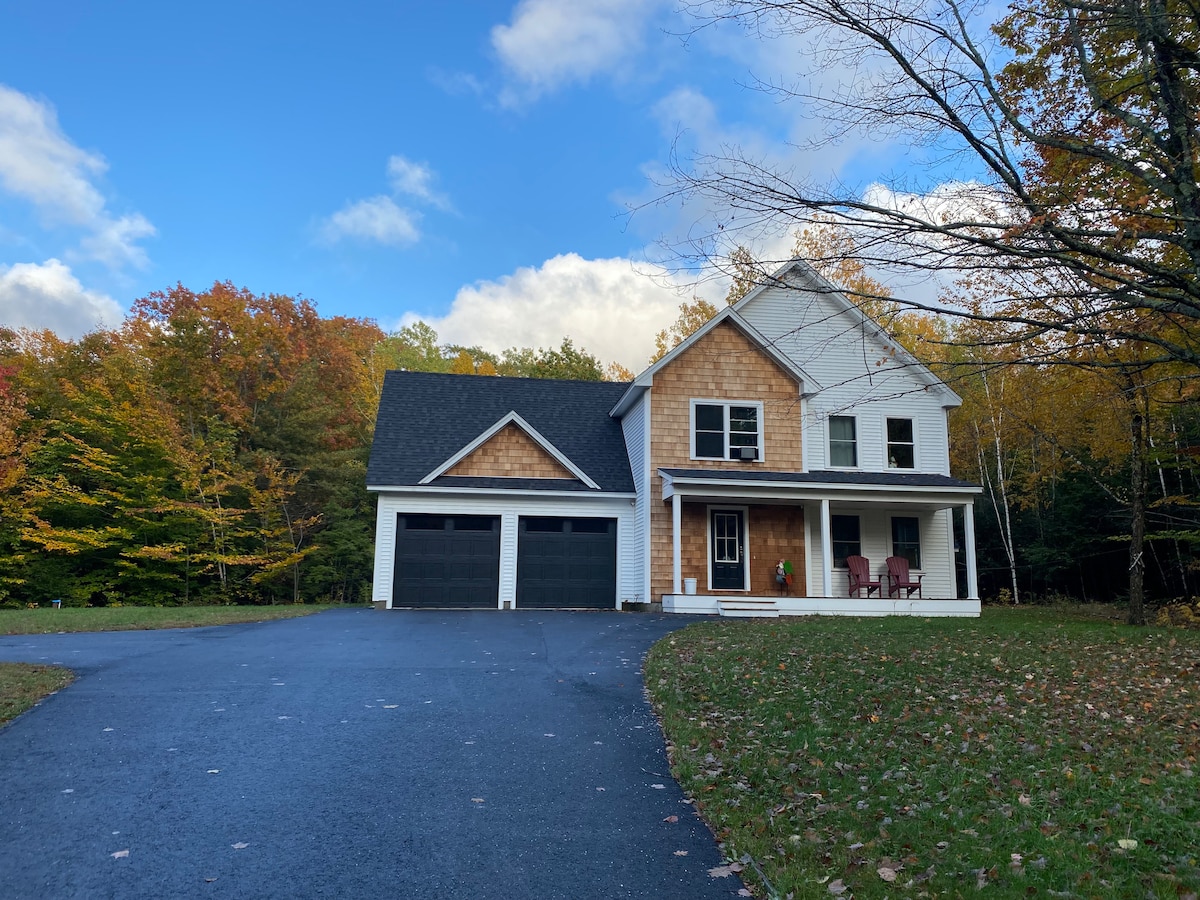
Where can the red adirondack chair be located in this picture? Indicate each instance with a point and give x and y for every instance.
(860, 577)
(899, 579)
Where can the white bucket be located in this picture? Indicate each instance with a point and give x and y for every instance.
(689, 586)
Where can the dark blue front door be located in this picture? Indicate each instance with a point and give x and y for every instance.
(728, 528)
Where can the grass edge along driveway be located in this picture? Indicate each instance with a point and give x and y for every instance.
(22, 685)
(1024, 752)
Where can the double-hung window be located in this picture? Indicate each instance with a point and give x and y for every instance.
(843, 441)
(847, 539)
(901, 448)
(906, 539)
(726, 430)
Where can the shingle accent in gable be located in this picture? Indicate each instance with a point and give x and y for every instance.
(510, 453)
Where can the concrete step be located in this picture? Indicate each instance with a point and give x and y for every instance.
(749, 608)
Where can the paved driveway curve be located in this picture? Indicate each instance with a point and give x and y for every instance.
(354, 753)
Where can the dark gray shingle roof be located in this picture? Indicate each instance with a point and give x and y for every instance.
(900, 479)
(425, 418)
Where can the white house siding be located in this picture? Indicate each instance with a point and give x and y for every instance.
(635, 424)
(858, 374)
(509, 508)
(385, 552)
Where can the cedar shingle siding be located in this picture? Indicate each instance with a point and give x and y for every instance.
(510, 453)
(722, 365)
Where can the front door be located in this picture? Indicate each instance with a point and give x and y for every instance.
(728, 528)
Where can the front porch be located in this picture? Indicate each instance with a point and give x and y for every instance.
(721, 565)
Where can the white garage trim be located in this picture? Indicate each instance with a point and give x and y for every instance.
(509, 506)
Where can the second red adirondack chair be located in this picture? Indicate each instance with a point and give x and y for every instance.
(899, 578)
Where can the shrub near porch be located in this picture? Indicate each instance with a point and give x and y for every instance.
(931, 757)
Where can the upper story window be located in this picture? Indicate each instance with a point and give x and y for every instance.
(901, 449)
(726, 430)
(843, 441)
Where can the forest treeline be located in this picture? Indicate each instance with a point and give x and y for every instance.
(213, 448)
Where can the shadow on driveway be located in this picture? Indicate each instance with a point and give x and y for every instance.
(353, 753)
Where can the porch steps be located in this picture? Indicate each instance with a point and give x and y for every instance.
(749, 608)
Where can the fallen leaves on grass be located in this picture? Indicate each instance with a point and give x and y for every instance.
(904, 747)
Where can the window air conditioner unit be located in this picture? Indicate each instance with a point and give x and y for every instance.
(746, 454)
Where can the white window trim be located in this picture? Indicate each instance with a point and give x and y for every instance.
(887, 467)
(857, 467)
(891, 547)
(745, 511)
(698, 401)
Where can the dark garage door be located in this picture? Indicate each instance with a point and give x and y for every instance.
(447, 561)
(566, 563)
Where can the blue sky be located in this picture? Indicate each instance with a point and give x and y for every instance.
(469, 163)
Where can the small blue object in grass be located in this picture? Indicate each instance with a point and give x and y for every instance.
(57, 604)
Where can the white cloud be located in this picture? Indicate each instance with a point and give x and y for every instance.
(415, 179)
(552, 43)
(686, 108)
(609, 307)
(114, 242)
(49, 296)
(376, 219)
(39, 164)
(380, 218)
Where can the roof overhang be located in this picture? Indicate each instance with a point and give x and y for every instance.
(720, 487)
(430, 490)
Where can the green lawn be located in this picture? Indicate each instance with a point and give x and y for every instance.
(130, 618)
(23, 685)
(1021, 754)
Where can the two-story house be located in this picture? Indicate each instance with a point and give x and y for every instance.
(789, 428)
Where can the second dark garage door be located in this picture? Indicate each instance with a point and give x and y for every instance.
(566, 563)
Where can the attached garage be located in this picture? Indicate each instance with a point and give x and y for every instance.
(447, 561)
(566, 562)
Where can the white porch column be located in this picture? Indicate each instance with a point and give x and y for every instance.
(969, 540)
(826, 550)
(676, 544)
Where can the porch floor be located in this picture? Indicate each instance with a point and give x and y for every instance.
(767, 606)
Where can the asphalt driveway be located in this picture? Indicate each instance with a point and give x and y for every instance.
(354, 753)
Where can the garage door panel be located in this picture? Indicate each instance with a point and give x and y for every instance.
(567, 562)
(446, 561)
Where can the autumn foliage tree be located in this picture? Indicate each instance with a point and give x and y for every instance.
(1073, 125)
(212, 449)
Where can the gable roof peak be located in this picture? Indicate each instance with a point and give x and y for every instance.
(727, 314)
(824, 287)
